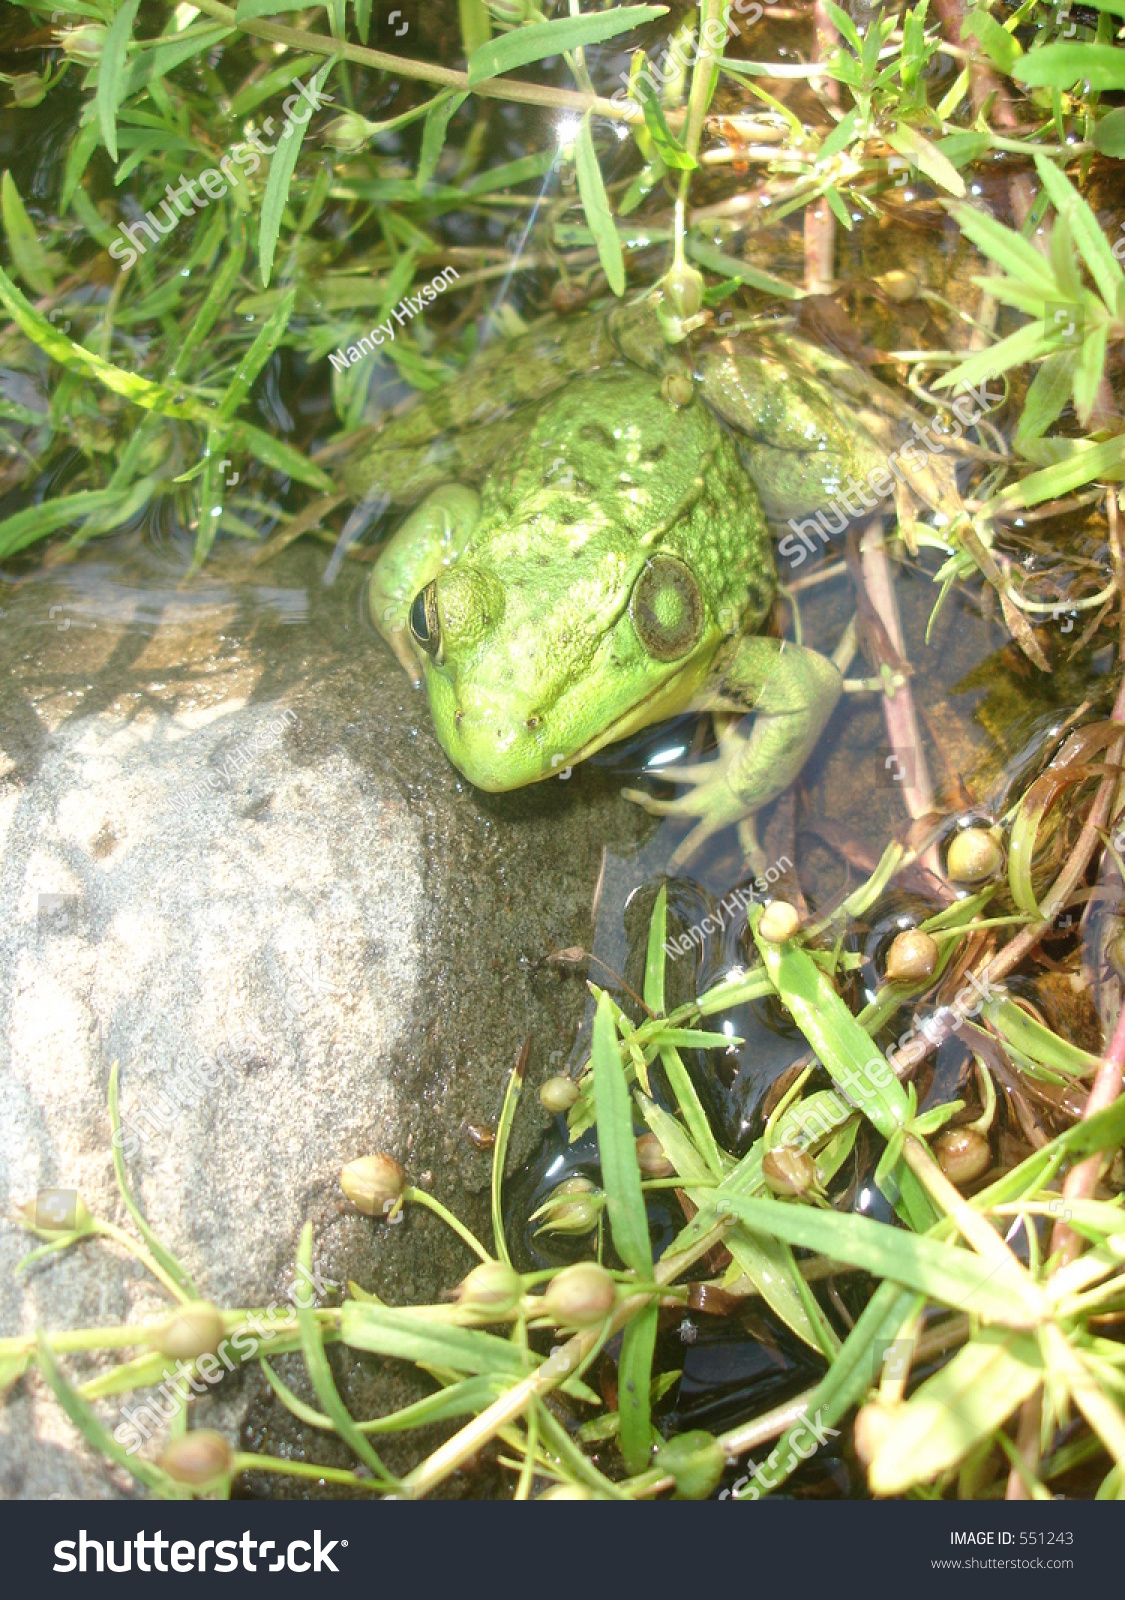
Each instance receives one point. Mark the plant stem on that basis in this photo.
(532, 94)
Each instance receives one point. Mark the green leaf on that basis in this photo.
(1109, 132)
(282, 166)
(28, 255)
(430, 1342)
(441, 110)
(926, 157)
(247, 10)
(90, 1426)
(621, 1176)
(1061, 66)
(669, 148)
(997, 43)
(654, 953)
(1091, 241)
(1008, 249)
(730, 267)
(537, 40)
(955, 1410)
(1088, 463)
(840, 137)
(320, 1375)
(158, 1251)
(634, 1378)
(595, 204)
(112, 72)
(932, 1267)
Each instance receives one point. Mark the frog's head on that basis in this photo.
(618, 549)
(526, 678)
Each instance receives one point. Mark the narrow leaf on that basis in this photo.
(112, 72)
(634, 1378)
(595, 203)
(538, 40)
(621, 1176)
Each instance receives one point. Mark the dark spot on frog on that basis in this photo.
(104, 843)
(603, 435)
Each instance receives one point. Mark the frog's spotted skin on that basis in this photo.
(616, 562)
(542, 657)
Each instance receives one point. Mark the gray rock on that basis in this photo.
(235, 861)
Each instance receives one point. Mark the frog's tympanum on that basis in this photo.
(590, 550)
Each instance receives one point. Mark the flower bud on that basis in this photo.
(84, 43)
(28, 90)
(788, 1170)
(651, 1158)
(565, 1491)
(373, 1183)
(194, 1329)
(574, 1207)
(779, 922)
(695, 1460)
(349, 132)
(493, 1289)
(974, 855)
(198, 1458)
(57, 1211)
(677, 389)
(567, 297)
(558, 1094)
(963, 1154)
(683, 290)
(913, 955)
(898, 285)
(580, 1296)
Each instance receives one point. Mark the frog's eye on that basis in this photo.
(667, 608)
(424, 624)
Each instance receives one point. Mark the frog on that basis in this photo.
(590, 551)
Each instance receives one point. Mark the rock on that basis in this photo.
(236, 861)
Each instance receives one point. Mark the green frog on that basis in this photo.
(590, 549)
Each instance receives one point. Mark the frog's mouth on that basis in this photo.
(498, 752)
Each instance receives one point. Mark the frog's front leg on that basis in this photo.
(792, 691)
(434, 534)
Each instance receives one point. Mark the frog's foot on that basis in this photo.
(793, 691)
(711, 797)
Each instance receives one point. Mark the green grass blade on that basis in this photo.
(112, 72)
(320, 1374)
(621, 1176)
(282, 166)
(654, 954)
(28, 255)
(595, 203)
(968, 1400)
(90, 1426)
(944, 1273)
(538, 40)
(634, 1378)
(158, 1251)
(500, 1152)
